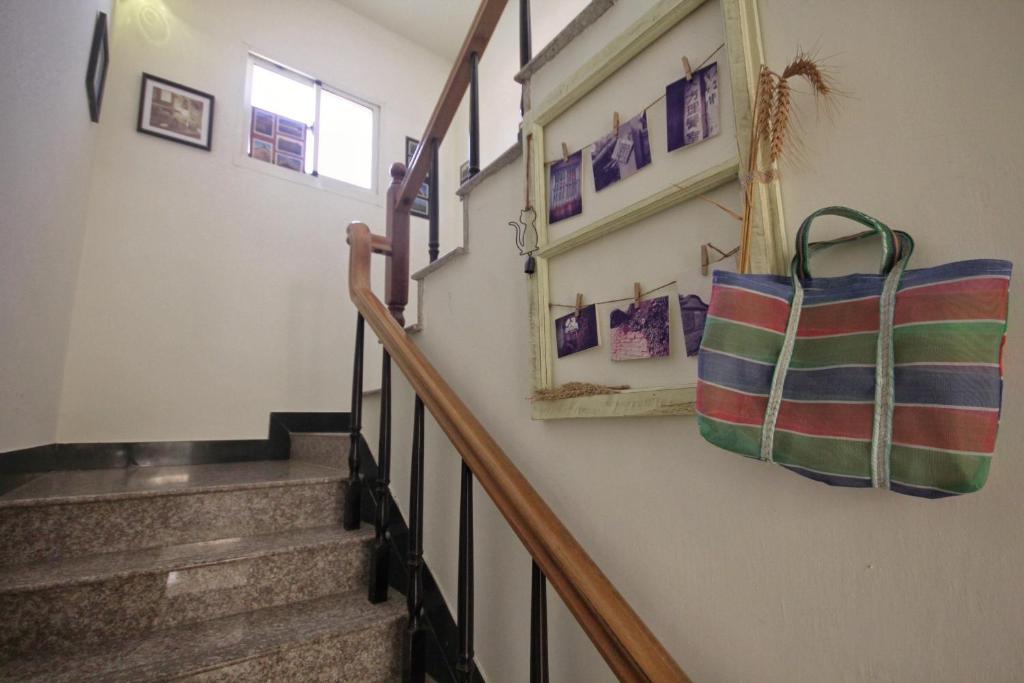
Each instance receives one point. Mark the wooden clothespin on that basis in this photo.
(615, 123)
(687, 69)
(636, 293)
(579, 304)
(565, 152)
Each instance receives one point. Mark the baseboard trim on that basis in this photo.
(95, 456)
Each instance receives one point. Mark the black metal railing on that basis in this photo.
(354, 498)
(414, 656)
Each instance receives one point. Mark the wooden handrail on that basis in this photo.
(480, 31)
(624, 641)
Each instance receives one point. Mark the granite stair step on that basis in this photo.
(337, 638)
(70, 604)
(73, 513)
(321, 448)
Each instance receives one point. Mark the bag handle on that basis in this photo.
(805, 249)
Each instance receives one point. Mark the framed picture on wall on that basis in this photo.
(96, 72)
(175, 112)
(420, 205)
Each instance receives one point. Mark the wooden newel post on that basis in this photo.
(396, 270)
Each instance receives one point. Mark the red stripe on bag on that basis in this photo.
(848, 420)
(723, 404)
(748, 307)
(839, 318)
(951, 429)
(925, 304)
(980, 284)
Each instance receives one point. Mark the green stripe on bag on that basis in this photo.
(849, 349)
(832, 456)
(741, 439)
(741, 340)
(967, 342)
(944, 470)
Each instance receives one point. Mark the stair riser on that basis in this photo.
(69, 618)
(40, 532)
(329, 450)
(369, 656)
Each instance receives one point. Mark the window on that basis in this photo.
(304, 125)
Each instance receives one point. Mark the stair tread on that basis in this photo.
(299, 435)
(212, 644)
(76, 486)
(89, 568)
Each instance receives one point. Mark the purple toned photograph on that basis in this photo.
(262, 122)
(615, 157)
(293, 129)
(641, 331)
(289, 146)
(695, 314)
(575, 333)
(692, 108)
(288, 161)
(565, 184)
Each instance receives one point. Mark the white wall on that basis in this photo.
(499, 93)
(747, 572)
(211, 291)
(44, 186)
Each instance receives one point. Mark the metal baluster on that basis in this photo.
(353, 498)
(465, 666)
(433, 239)
(415, 661)
(380, 563)
(538, 628)
(525, 39)
(525, 45)
(474, 115)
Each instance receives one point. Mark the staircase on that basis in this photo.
(237, 571)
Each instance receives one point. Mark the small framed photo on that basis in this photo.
(289, 161)
(262, 150)
(291, 128)
(262, 122)
(289, 146)
(175, 112)
(96, 72)
(420, 205)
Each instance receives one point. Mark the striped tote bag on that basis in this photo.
(890, 381)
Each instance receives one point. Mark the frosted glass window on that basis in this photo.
(346, 140)
(300, 124)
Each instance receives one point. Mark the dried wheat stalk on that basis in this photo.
(575, 389)
(771, 138)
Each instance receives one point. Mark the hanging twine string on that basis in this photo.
(616, 301)
(659, 98)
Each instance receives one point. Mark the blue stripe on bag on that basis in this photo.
(974, 387)
(735, 373)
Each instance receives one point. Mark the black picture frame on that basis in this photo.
(420, 205)
(164, 123)
(96, 71)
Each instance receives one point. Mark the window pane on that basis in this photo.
(282, 95)
(346, 140)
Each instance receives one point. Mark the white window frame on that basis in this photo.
(371, 194)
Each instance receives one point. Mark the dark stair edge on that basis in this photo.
(116, 455)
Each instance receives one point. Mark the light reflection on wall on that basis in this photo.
(151, 16)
